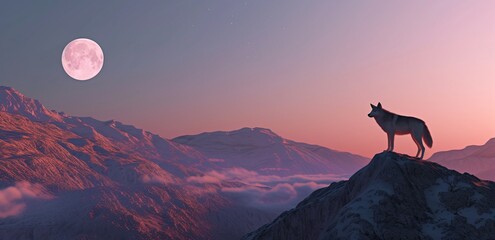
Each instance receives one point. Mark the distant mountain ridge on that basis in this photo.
(393, 197)
(477, 160)
(262, 150)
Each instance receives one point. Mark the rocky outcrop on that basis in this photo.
(393, 197)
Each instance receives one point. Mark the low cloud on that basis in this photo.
(209, 177)
(14, 199)
(252, 177)
(281, 196)
(267, 191)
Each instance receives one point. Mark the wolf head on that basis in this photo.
(375, 110)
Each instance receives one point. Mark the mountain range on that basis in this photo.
(66, 177)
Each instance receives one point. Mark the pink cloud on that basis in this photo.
(252, 177)
(280, 196)
(13, 199)
(215, 160)
(267, 191)
(209, 177)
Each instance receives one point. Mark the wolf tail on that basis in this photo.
(427, 137)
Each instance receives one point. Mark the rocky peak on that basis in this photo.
(393, 197)
(14, 102)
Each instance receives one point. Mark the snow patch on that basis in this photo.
(474, 218)
(363, 205)
(439, 213)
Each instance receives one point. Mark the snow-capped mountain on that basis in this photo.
(12, 101)
(64, 177)
(393, 197)
(85, 130)
(263, 151)
(477, 160)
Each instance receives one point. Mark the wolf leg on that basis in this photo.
(388, 143)
(422, 150)
(390, 138)
(419, 143)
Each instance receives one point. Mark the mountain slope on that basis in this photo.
(263, 151)
(393, 197)
(477, 160)
(64, 177)
(12, 101)
(104, 133)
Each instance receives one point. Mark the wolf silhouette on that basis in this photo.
(393, 124)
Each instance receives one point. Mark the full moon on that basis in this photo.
(82, 59)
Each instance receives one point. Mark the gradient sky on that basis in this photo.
(305, 69)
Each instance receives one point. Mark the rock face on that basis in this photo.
(478, 160)
(393, 197)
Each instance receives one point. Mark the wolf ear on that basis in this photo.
(372, 106)
(379, 105)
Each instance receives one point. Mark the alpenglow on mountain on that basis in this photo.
(261, 150)
(66, 177)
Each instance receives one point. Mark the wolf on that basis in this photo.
(393, 124)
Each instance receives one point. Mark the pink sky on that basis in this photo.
(435, 62)
(306, 70)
